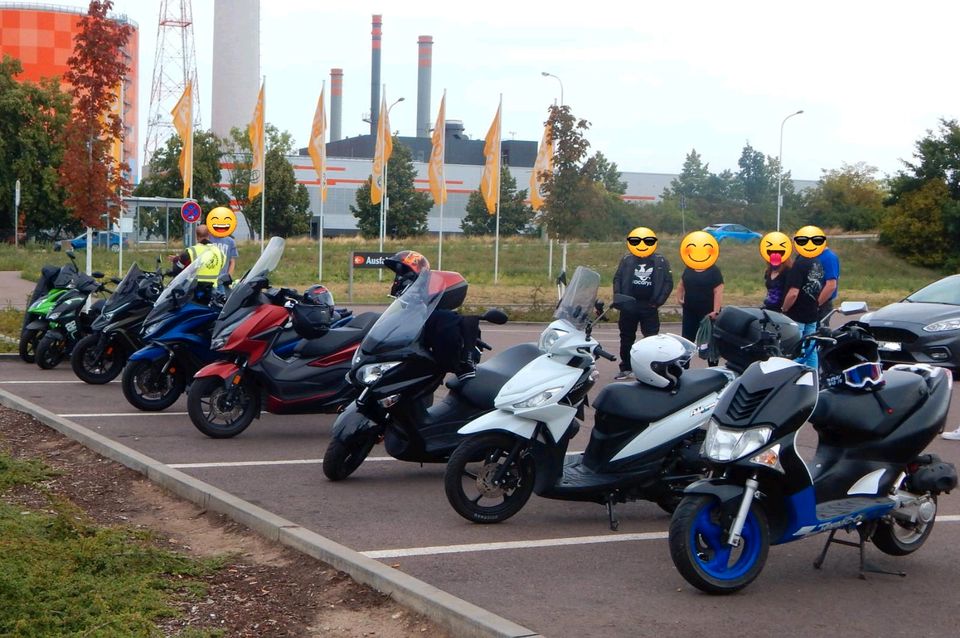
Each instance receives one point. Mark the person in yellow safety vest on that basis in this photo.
(210, 256)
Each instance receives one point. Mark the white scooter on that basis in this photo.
(645, 442)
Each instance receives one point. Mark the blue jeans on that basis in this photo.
(809, 355)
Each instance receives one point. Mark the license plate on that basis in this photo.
(889, 345)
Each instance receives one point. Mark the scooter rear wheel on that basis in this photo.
(468, 480)
(698, 547)
(147, 387)
(28, 345)
(899, 538)
(50, 352)
(212, 415)
(97, 368)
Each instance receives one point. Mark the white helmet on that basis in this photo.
(659, 360)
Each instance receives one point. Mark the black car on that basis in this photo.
(923, 328)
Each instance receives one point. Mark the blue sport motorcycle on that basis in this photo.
(869, 475)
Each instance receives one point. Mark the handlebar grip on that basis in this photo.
(600, 352)
(483, 345)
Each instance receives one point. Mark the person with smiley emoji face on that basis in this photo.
(221, 222)
(700, 293)
(804, 285)
(644, 275)
(775, 248)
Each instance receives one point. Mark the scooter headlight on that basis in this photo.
(151, 328)
(550, 337)
(537, 400)
(370, 374)
(724, 445)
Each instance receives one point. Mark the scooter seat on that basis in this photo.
(335, 340)
(364, 321)
(482, 389)
(642, 404)
(857, 415)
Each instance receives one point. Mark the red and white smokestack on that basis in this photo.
(424, 69)
(375, 73)
(336, 104)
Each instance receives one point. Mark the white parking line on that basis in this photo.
(546, 542)
(192, 466)
(46, 381)
(94, 415)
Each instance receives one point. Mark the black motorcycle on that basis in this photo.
(69, 321)
(99, 357)
(397, 375)
(869, 474)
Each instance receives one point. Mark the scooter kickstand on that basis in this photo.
(866, 532)
(817, 564)
(612, 516)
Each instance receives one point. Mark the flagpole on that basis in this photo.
(443, 179)
(263, 163)
(190, 159)
(496, 251)
(383, 174)
(323, 185)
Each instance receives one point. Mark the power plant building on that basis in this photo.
(42, 37)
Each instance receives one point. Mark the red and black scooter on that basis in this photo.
(226, 396)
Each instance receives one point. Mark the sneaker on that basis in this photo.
(467, 370)
(953, 435)
(623, 375)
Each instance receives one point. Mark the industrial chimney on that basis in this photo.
(336, 103)
(375, 74)
(236, 64)
(424, 67)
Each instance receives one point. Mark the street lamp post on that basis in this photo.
(551, 75)
(384, 200)
(780, 167)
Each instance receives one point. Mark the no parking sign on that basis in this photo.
(190, 212)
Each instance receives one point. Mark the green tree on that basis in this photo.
(936, 160)
(408, 210)
(92, 179)
(691, 183)
(606, 173)
(287, 202)
(850, 198)
(568, 192)
(164, 179)
(32, 121)
(515, 216)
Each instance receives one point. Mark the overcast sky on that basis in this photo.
(654, 79)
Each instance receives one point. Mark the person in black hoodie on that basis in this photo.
(644, 275)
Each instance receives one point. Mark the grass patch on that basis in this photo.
(868, 271)
(61, 575)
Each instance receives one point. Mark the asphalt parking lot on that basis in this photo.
(555, 567)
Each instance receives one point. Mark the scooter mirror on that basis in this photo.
(619, 300)
(96, 274)
(115, 280)
(496, 316)
(853, 307)
(71, 254)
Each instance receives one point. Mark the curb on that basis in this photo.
(457, 615)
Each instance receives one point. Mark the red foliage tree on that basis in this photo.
(91, 176)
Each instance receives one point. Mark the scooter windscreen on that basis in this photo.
(179, 292)
(245, 291)
(579, 299)
(125, 292)
(403, 321)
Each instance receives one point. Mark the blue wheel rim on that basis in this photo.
(712, 554)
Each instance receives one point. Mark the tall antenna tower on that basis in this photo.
(174, 66)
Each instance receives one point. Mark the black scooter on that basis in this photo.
(869, 474)
(397, 376)
(99, 357)
(69, 320)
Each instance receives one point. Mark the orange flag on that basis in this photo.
(490, 180)
(183, 122)
(318, 145)
(382, 153)
(438, 185)
(542, 166)
(255, 132)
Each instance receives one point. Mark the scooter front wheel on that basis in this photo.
(28, 345)
(699, 549)
(97, 366)
(482, 482)
(50, 352)
(344, 456)
(218, 413)
(147, 386)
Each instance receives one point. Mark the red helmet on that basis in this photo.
(407, 266)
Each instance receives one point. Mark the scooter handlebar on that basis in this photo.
(600, 352)
(483, 345)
